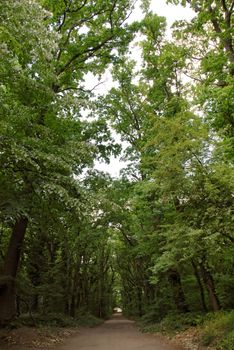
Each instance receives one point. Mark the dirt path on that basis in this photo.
(115, 334)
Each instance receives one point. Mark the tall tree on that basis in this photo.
(47, 48)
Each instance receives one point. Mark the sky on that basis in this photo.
(161, 8)
(171, 12)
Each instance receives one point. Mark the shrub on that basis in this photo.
(88, 320)
(55, 320)
(172, 322)
(219, 330)
(227, 343)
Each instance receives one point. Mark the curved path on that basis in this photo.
(115, 334)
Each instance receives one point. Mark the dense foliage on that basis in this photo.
(159, 239)
(47, 48)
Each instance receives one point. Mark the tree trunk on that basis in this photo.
(210, 286)
(139, 301)
(66, 278)
(7, 281)
(35, 303)
(201, 288)
(73, 305)
(177, 290)
(17, 305)
(149, 293)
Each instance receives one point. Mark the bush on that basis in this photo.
(207, 339)
(227, 343)
(88, 320)
(153, 328)
(182, 321)
(55, 320)
(219, 330)
(171, 323)
(151, 317)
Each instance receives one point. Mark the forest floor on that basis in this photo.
(117, 333)
(34, 338)
(189, 339)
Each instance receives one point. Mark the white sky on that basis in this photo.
(172, 14)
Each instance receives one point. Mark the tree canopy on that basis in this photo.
(159, 238)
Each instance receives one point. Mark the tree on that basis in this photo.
(211, 59)
(44, 143)
(74, 237)
(169, 147)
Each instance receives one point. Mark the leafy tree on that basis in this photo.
(160, 238)
(172, 164)
(44, 143)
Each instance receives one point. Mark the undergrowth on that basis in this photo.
(218, 331)
(172, 323)
(215, 329)
(56, 320)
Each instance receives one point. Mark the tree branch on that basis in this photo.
(193, 78)
(90, 52)
(64, 14)
(75, 26)
(135, 117)
(232, 7)
(81, 89)
(224, 5)
(227, 40)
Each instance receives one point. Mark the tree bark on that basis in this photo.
(73, 305)
(210, 286)
(7, 280)
(177, 290)
(201, 288)
(18, 305)
(139, 301)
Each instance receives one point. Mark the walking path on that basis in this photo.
(115, 334)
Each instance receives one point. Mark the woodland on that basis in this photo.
(156, 241)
